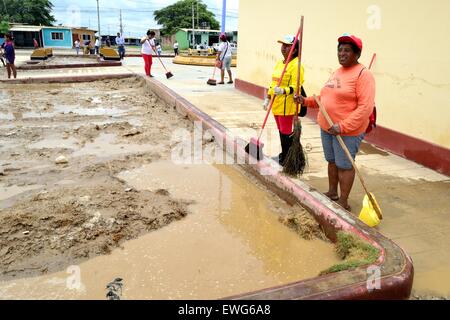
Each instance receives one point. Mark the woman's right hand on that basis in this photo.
(299, 99)
(266, 103)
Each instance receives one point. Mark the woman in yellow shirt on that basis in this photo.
(284, 107)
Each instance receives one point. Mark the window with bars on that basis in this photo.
(57, 36)
(86, 37)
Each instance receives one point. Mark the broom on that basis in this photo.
(255, 147)
(168, 73)
(295, 161)
(212, 81)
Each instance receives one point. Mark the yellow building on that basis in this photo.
(410, 39)
(83, 34)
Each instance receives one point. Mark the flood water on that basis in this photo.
(231, 242)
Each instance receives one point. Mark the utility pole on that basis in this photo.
(98, 19)
(224, 15)
(198, 25)
(121, 25)
(193, 27)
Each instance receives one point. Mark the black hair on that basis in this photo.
(151, 33)
(296, 52)
(355, 48)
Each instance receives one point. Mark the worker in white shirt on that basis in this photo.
(148, 47)
(77, 46)
(175, 48)
(97, 45)
(120, 42)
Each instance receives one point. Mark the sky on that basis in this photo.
(137, 15)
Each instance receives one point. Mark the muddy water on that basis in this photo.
(230, 243)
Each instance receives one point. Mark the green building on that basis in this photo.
(184, 37)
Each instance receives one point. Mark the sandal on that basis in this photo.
(220, 82)
(230, 82)
(347, 207)
(334, 197)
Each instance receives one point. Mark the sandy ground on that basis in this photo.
(77, 209)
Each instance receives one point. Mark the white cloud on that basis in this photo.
(137, 15)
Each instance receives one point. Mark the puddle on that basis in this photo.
(8, 145)
(6, 116)
(99, 111)
(436, 282)
(33, 115)
(230, 243)
(104, 146)
(9, 192)
(70, 143)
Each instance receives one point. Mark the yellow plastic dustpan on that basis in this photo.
(368, 215)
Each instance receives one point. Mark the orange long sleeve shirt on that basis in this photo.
(349, 98)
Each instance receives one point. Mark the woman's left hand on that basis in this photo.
(335, 130)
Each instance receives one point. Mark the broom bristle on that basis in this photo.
(295, 161)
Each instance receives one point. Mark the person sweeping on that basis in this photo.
(295, 160)
(284, 107)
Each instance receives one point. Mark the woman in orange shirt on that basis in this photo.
(348, 97)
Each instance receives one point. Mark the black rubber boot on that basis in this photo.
(286, 142)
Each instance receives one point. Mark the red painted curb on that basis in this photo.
(396, 268)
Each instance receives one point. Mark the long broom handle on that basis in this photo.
(156, 53)
(373, 59)
(300, 48)
(349, 156)
(291, 52)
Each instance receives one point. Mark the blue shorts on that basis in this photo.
(334, 152)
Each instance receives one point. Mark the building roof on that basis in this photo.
(57, 27)
(26, 28)
(84, 29)
(200, 30)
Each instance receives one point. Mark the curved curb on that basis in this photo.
(395, 267)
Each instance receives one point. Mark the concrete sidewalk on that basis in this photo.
(415, 200)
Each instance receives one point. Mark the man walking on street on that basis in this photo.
(120, 42)
(77, 46)
(175, 48)
(97, 45)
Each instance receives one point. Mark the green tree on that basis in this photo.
(36, 12)
(179, 15)
(4, 26)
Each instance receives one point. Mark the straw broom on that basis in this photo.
(295, 162)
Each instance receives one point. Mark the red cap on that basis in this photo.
(352, 39)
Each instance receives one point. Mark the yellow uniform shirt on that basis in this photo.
(284, 105)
